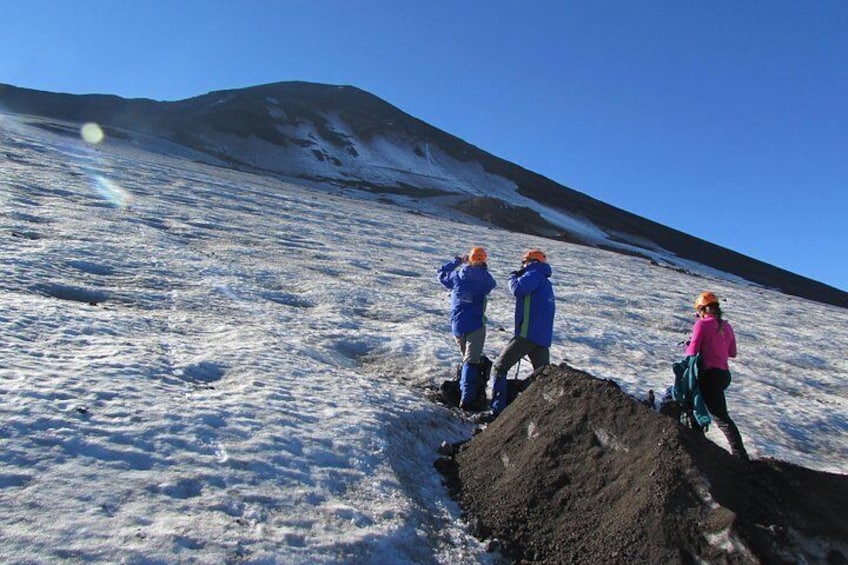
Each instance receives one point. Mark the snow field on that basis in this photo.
(209, 366)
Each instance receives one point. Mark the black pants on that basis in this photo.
(712, 383)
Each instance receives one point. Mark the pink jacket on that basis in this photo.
(714, 345)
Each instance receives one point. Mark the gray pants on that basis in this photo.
(517, 348)
(471, 345)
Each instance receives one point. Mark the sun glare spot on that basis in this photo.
(92, 133)
(112, 191)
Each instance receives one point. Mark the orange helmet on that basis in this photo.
(705, 299)
(534, 255)
(477, 255)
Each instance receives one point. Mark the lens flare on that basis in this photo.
(92, 133)
(112, 191)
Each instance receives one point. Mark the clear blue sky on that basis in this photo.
(727, 120)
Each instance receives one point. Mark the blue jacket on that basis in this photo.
(687, 390)
(469, 286)
(535, 304)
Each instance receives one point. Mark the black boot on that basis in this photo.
(734, 438)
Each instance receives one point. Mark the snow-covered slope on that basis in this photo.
(206, 366)
(340, 136)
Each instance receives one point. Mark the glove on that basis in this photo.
(518, 273)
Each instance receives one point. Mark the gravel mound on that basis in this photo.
(576, 471)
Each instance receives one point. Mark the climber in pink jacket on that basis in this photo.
(713, 338)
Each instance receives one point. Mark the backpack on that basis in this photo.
(516, 386)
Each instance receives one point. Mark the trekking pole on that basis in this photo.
(518, 367)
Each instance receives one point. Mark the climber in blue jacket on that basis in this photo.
(470, 283)
(535, 306)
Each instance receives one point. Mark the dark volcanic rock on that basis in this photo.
(576, 471)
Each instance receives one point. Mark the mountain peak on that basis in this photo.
(340, 136)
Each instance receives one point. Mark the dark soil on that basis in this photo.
(576, 471)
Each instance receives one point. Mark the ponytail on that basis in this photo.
(715, 310)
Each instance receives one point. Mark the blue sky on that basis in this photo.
(727, 120)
